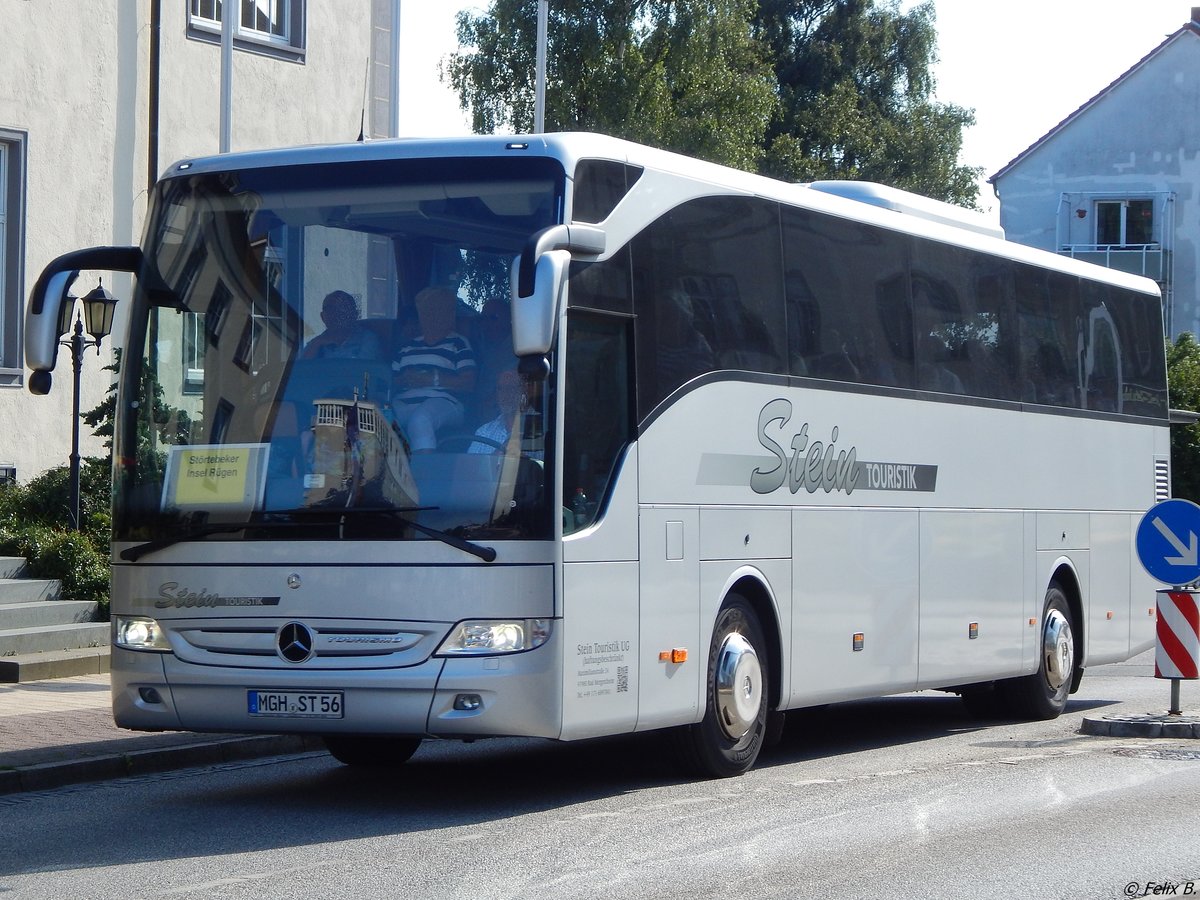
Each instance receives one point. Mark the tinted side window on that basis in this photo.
(708, 294)
(599, 186)
(966, 326)
(1099, 352)
(1048, 319)
(602, 285)
(599, 413)
(1122, 361)
(849, 313)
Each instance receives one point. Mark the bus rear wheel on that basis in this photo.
(726, 742)
(1043, 695)
(370, 750)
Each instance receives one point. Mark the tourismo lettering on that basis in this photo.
(812, 465)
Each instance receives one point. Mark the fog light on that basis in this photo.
(467, 702)
(149, 695)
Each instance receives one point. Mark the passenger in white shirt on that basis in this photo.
(510, 397)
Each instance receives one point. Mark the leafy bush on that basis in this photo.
(46, 500)
(1183, 376)
(35, 524)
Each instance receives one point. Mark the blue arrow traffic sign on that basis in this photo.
(1168, 542)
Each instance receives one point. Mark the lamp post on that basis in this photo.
(539, 78)
(98, 308)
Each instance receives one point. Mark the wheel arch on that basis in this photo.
(1067, 578)
(750, 584)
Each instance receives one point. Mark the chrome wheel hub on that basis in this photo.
(739, 686)
(1058, 648)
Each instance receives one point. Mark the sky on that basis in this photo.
(1022, 65)
(1025, 65)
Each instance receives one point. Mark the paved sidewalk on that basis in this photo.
(61, 732)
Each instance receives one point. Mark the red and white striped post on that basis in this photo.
(1177, 650)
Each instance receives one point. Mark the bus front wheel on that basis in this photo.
(370, 750)
(727, 740)
(1043, 695)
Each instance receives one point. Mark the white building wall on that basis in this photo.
(74, 79)
(60, 84)
(1139, 139)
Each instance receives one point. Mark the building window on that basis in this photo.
(194, 348)
(272, 27)
(1124, 223)
(12, 228)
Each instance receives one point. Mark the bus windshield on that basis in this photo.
(322, 351)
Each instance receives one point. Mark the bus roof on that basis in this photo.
(862, 201)
(911, 204)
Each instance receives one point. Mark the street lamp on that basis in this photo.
(98, 308)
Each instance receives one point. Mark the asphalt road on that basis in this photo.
(901, 797)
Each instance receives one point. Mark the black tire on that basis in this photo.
(1043, 695)
(369, 750)
(727, 741)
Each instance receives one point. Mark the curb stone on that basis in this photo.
(44, 776)
(1147, 726)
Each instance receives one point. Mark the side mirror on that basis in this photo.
(42, 322)
(50, 292)
(537, 280)
(535, 316)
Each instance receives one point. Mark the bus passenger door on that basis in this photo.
(669, 545)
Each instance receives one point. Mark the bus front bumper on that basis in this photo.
(512, 695)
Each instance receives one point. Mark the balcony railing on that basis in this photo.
(1149, 260)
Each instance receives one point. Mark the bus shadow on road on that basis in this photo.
(449, 784)
(842, 728)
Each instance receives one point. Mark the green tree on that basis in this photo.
(797, 89)
(687, 75)
(855, 97)
(1183, 382)
(171, 425)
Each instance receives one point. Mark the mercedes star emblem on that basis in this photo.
(294, 642)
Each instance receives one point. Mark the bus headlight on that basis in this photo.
(139, 633)
(487, 637)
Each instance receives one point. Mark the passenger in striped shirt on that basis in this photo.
(433, 372)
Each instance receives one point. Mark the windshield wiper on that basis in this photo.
(487, 554)
(133, 554)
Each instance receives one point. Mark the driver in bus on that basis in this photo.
(433, 372)
(344, 337)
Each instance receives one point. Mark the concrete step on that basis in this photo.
(46, 612)
(54, 664)
(44, 637)
(24, 590)
(12, 566)
(19, 641)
